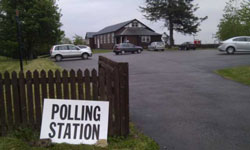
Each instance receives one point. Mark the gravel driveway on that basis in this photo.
(178, 100)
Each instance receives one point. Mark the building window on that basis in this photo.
(145, 39)
(101, 39)
(108, 41)
(95, 39)
(113, 37)
(104, 38)
(135, 24)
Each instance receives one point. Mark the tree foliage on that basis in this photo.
(66, 40)
(235, 21)
(178, 15)
(40, 26)
(78, 40)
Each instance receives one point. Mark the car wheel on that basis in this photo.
(85, 56)
(123, 52)
(139, 51)
(58, 57)
(230, 50)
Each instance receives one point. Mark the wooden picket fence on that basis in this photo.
(22, 95)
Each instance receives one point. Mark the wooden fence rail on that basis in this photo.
(22, 95)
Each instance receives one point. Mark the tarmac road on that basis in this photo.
(178, 100)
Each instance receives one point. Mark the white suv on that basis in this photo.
(69, 51)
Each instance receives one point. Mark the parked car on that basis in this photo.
(235, 44)
(155, 46)
(123, 48)
(69, 51)
(187, 46)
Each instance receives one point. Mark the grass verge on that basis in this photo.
(97, 51)
(21, 139)
(239, 74)
(8, 64)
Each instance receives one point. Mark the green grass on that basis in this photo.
(97, 51)
(239, 74)
(21, 139)
(8, 64)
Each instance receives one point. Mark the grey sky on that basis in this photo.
(81, 16)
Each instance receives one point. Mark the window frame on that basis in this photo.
(146, 39)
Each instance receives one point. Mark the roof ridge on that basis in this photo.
(120, 23)
(114, 27)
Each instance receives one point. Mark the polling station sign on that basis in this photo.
(74, 121)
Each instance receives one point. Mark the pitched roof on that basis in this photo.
(113, 27)
(138, 31)
(90, 35)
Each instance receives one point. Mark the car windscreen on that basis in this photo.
(160, 43)
(130, 45)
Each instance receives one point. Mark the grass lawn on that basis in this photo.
(8, 64)
(239, 74)
(21, 139)
(96, 51)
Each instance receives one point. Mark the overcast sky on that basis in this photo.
(81, 16)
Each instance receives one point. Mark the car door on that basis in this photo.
(151, 46)
(125, 47)
(241, 44)
(63, 50)
(74, 51)
(131, 47)
(248, 43)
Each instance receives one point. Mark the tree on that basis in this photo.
(66, 40)
(178, 15)
(40, 26)
(78, 40)
(235, 21)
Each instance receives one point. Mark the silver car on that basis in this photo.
(236, 44)
(69, 51)
(156, 46)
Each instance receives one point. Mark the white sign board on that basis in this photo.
(74, 122)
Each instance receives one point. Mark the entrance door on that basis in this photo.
(117, 40)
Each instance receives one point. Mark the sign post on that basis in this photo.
(75, 122)
(19, 40)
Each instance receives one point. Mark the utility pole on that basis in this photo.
(19, 39)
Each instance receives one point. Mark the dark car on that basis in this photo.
(123, 48)
(187, 46)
